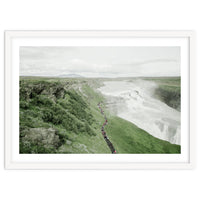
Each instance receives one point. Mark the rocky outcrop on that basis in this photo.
(54, 90)
(46, 137)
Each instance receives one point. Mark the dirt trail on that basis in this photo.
(109, 143)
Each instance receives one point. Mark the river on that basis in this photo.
(134, 101)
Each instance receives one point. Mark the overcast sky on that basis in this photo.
(100, 61)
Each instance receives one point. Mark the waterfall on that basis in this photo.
(134, 101)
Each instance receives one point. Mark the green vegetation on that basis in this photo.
(53, 106)
(128, 138)
(60, 115)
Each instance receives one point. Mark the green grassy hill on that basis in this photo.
(61, 116)
(128, 138)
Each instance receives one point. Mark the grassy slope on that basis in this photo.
(128, 138)
(125, 136)
(44, 105)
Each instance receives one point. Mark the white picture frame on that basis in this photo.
(13, 39)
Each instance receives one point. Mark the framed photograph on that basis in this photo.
(99, 99)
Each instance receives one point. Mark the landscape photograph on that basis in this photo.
(100, 100)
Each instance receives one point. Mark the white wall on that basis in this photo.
(92, 14)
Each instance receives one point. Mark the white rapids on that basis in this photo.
(134, 101)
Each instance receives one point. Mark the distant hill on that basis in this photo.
(71, 75)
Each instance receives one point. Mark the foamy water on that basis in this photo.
(134, 102)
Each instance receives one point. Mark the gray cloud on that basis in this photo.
(100, 61)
